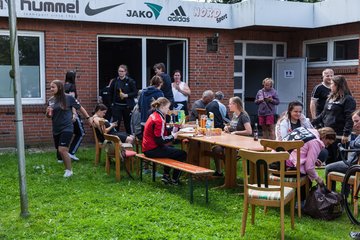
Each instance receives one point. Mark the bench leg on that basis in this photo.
(191, 189)
(141, 168)
(153, 171)
(206, 190)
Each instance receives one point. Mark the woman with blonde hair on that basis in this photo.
(239, 125)
(267, 99)
(155, 139)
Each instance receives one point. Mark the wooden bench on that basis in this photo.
(185, 167)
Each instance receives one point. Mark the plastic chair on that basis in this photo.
(261, 193)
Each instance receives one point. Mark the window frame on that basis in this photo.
(330, 51)
(42, 85)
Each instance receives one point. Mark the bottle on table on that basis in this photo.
(256, 132)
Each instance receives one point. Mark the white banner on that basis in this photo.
(164, 13)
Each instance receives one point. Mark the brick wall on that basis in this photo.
(73, 46)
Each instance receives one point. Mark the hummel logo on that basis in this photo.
(2, 3)
(179, 15)
(91, 12)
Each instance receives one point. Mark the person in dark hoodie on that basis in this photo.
(148, 95)
(160, 70)
(337, 114)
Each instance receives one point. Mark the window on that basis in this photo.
(339, 51)
(31, 58)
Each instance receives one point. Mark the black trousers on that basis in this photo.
(120, 113)
(168, 152)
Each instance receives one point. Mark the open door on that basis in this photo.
(176, 58)
(290, 81)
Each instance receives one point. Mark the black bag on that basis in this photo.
(323, 204)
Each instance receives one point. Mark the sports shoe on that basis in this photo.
(166, 179)
(68, 173)
(355, 235)
(216, 174)
(60, 161)
(73, 157)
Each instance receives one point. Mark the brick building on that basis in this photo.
(220, 47)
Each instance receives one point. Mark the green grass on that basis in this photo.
(92, 205)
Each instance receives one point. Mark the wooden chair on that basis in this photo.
(200, 111)
(115, 153)
(261, 193)
(353, 180)
(293, 177)
(98, 145)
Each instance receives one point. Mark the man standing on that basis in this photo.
(320, 93)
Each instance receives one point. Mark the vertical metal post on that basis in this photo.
(15, 75)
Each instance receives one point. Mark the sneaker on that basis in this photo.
(355, 235)
(73, 157)
(216, 174)
(166, 179)
(68, 173)
(60, 161)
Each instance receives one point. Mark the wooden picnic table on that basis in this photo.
(199, 147)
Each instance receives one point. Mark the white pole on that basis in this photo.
(15, 75)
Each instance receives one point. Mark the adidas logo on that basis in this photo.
(178, 15)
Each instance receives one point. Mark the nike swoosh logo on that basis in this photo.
(91, 12)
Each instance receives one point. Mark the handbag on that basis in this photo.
(323, 204)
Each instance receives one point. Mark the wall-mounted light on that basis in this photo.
(213, 43)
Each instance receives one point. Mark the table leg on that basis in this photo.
(230, 168)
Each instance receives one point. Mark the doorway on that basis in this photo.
(139, 54)
(255, 72)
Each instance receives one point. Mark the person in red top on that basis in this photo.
(155, 139)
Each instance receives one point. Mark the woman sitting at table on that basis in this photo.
(100, 111)
(239, 125)
(292, 119)
(155, 139)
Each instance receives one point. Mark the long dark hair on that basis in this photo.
(70, 77)
(291, 106)
(342, 88)
(60, 94)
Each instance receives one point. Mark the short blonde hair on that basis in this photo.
(268, 80)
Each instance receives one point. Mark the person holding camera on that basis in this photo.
(267, 99)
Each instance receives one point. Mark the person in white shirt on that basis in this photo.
(181, 92)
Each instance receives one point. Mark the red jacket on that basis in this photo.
(155, 133)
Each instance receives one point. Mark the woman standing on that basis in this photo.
(337, 114)
(160, 70)
(79, 131)
(239, 125)
(155, 139)
(60, 111)
(267, 98)
(122, 93)
(181, 92)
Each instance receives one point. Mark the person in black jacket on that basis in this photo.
(337, 114)
(160, 69)
(123, 92)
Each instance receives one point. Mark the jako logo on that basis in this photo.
(178, 15)
(2, 4)
(156, 9)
